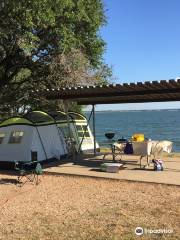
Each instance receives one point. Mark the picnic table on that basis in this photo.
(144, 149)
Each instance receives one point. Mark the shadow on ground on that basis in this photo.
(7, 181)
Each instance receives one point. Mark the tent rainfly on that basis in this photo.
(25, 139)
(79, 129)
(42, 136)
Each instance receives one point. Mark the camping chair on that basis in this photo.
(29, 170)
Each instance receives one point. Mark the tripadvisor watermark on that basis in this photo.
(140, 231)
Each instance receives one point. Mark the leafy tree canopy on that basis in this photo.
(38, 36)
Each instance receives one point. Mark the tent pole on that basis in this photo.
(72, 149)
(39, 135)
(67, 115)
(94, 129)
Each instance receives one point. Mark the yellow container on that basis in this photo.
(138, 137)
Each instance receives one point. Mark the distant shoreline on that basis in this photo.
(138, 110)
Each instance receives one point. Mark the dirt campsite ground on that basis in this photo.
(71, 207)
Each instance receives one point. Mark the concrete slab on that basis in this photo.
(89, 167)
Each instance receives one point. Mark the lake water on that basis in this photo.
(156, 125)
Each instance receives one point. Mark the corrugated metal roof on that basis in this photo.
(155, 91)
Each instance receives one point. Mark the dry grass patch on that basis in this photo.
(86, 208)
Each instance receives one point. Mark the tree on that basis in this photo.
(36, 34)
(71, 69)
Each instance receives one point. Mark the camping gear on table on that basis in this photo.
(138, 137)
(110, 167)
(122, 140)
(120, 145)
(144, 149)
(158, 164)
(128, 148)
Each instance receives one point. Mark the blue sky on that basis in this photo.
(143, 43)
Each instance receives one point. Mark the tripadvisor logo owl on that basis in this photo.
(139, 231)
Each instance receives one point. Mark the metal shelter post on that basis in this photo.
(94, 128)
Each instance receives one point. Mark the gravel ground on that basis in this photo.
(67, 207)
